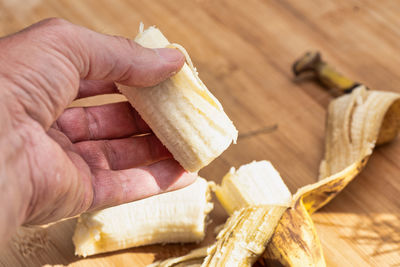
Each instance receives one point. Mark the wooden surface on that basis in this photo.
(243, 51)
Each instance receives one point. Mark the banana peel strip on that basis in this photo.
(240, 243)
(295, 241)
(193, 258)
(244, 236)
(356, 123)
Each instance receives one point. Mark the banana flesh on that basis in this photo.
(181, 111)
(177, 216)
(256, 183)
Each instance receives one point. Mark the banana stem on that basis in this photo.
(312, 62)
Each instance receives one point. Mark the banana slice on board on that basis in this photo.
(173, 217)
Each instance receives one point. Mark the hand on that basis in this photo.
(57, 163)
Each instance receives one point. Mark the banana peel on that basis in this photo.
(244, 236)
(328, 76)
(192, 259)
(295, 241)
(356, 123)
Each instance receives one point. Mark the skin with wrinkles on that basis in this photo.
(57, 162)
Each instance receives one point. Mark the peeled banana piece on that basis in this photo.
(172, 217)
(256, 183)
(181, 111)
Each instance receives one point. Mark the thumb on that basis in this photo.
(103, 57)
(46, 61)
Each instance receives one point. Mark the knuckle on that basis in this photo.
(54, 22)
(54, 29)
(110, 154)
(93, 124)
(126, 43)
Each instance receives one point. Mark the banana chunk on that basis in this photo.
(182, 113)
(173, 217)
(256, 183)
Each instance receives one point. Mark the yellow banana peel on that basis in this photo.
(356, 123)
(312, 62)
(295, 241)
(193, 259)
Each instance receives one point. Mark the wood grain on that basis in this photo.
(243, 51)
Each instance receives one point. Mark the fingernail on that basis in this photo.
(170, 54)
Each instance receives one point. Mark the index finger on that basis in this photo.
(109, 121)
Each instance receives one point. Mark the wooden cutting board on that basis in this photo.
(243, 51)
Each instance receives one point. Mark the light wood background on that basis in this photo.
(243, 51)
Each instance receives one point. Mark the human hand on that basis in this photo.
(57, 163)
